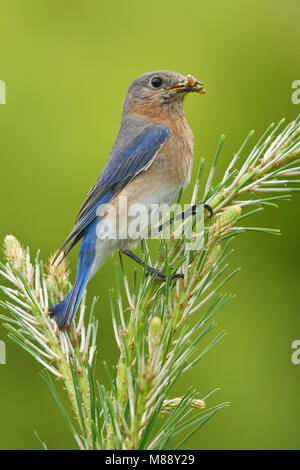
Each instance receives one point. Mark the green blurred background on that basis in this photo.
(67, 66)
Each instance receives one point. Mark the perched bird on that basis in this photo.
(150, 162)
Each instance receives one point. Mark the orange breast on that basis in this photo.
(174, 162)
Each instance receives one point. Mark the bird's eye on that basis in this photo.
(156, 82)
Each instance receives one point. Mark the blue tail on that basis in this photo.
(64, 312)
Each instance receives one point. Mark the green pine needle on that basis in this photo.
(159, 327)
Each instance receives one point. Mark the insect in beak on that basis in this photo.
(190, 85)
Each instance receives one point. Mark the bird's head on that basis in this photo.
(160, 90)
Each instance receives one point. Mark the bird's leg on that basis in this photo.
(183, 215)
(150, 270)
(187, 213)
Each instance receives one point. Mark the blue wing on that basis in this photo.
(135, 148)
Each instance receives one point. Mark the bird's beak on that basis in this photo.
(189, 85)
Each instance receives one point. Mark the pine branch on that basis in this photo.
(151, 319)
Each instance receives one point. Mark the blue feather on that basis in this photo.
(137, 143)
(64, 312)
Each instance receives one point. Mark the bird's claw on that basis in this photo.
(209, 209)
(177, 276)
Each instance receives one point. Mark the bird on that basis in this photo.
(150, 163)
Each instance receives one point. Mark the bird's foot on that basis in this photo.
(209, 209)
(187, 213)
(150, 270)
(160, 275)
